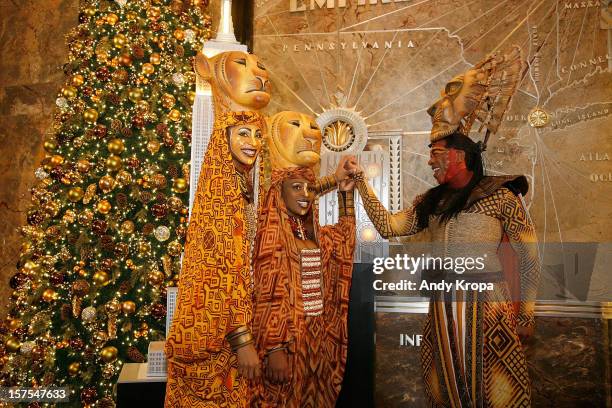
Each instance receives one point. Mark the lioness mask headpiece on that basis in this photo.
(238, 80)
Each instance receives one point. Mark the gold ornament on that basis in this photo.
(49, 295)
(90, 115)
(125, 59)
(100, 278)
(144, 247)
(191, 96)
(119, 41)
(148, 68)
(56, 160)
(12, 344)
(153, 146)
(78, 80)
(109, 354)
(131, 15)
(179, 34)
(51, 208)
(156, 278)
(154, 13)
(106, 183)
(175, 203)
(124, 178)
(135, 94)
(180, 185)
(50, 145)
(127, 227)
(175, 115)
(103, 207)
(14, 324)
(74, 368)
(114, 163)
(112, 19)
(143, 105)
(128, 307)
(174, 248)
(31, 267)
(69, 92)
(75, 194)
(115, 146)
(86, 217)
(155, 59)
(168, 100)
(83, 166)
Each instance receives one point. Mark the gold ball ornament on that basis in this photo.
(90, 115)
(175, 203)
(153, 146)
(148, 68)
(75, 194)
(114, 162)
(74, 368)
(125, 59)
(154, 12)
(131, 15)
(50, 145)
(69, 92)
(120, 41)
(31, 267)
(14, 324)
(180, 185)
(127, 227)
(155, 59)
(56, 160)
(144, 247)
(115, 146)
(175, 115)
(191, 96)
(106, 183)
(49, 295)
(128, 307)
(112, 19)
(135, 94)
(83, 166)
(168, 101)
(104, 207)
(12, 344)
(100, 278)
(109, 354)
(156, 278)
(78, 80)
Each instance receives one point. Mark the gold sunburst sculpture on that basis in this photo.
(338, 136)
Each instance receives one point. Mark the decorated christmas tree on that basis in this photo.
(105, 230)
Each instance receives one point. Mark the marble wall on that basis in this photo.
(32, 51)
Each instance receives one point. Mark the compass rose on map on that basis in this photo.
(538, 117)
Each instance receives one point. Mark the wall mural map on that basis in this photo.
(389, 60)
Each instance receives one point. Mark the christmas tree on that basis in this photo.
(105, 230)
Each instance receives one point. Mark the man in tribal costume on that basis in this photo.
(302, 283)
(471, 350)
(210, 346)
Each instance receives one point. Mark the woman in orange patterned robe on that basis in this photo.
(302, 282)
(214, 304)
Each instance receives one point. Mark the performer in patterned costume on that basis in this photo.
(302, 282)
(471, 350)
(210, 347)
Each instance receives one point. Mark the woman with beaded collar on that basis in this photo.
(302, 277)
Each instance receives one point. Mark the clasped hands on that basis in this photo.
(345, 172)
(277, 368)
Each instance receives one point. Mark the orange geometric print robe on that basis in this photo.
(214, 295)
(317, 344)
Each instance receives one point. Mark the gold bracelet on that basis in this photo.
(240, 330)
(241, 341)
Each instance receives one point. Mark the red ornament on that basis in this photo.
(158, 311)
(99, 227)
(89, 395)
(56, 278)
(159, 210)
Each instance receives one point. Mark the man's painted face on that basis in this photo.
(298, 195)
(446, 163)
(245, 143)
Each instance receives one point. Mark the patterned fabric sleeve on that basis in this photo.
(521, 232)
(326, 184)
(388, 225)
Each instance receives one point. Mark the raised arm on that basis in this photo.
(388, 225)
(522, 236)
